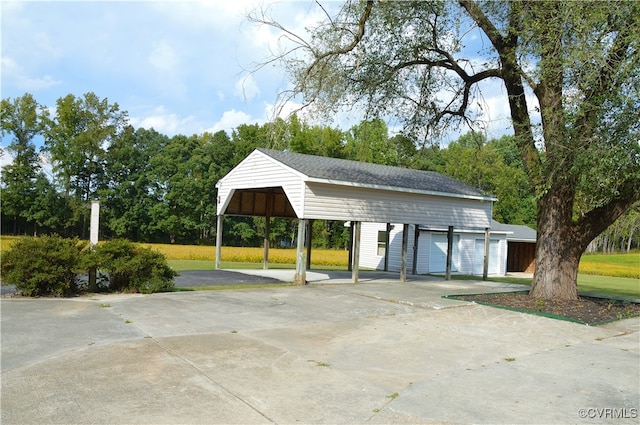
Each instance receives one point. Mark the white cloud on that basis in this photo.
(6, 157)
(164, 57)
(246, 88)
(230, 120)
(13, 72)
(163, 121)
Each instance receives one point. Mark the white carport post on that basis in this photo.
(218, 240)
(300, 277)
(355, 269)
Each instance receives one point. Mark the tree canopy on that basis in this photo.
(570, 74)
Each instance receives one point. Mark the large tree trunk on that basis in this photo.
(558, 249)
(562, 239)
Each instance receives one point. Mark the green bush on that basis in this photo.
(46, 265)
(132, 268)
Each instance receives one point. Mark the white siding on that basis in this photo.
(369, 258)
(395, 248)
(260, 171)
(464, 251)
(324, 201)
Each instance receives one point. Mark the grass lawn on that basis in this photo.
(606, 285)
(618, 286)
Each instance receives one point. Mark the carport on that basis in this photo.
(270, 183)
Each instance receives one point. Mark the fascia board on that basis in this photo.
(400, 189)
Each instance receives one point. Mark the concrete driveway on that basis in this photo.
(377, 352)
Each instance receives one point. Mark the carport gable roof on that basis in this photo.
(362, 174)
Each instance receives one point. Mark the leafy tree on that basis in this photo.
(473, 160)
(127, 196)
(580, 61)
(184, 187)
(247, 137)
(47, 212)
(20, 118)
(369, 142)
(218, 157)
(76, 138)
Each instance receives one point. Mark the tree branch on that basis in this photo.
(356, 39)
(598, 219)
(502, 44)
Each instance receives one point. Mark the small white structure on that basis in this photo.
(382, 245)
(272, 183)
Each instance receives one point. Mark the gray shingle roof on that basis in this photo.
(363, 173)
(518, 232)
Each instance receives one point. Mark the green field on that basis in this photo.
(618, 265)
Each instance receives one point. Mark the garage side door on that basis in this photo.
(478, 258)
(438, 253)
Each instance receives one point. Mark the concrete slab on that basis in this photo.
(377, 352)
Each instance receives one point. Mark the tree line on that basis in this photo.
(155, 188)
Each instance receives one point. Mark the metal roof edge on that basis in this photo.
(400, 189)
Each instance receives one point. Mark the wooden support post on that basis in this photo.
(449, 252)
(416, 235)
(218, 240)
(265, 253)
(356, 251)
(386, 248)
(403, 255)
(350, 260)
(309, 241)
(300, 277)
(487, 244)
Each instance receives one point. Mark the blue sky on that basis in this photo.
(181, 67)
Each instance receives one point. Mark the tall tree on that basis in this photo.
(127, 193)
(369, 142)
(77, 138)
(20, 119)
(580, 61)
(483, 164)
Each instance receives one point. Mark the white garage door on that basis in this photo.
(438, 254)
(478, 258)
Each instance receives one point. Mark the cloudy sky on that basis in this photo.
(181, 67)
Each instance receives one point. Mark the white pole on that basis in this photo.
(94, 227)
(95, 223)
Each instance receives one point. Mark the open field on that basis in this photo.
(619, 265)
(230, 254)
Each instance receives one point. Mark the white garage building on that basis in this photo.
(382, 245)
(272, 183)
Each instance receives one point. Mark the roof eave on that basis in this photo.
(400, 189)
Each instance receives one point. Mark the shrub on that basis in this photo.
(133, 268)
(46, 265)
